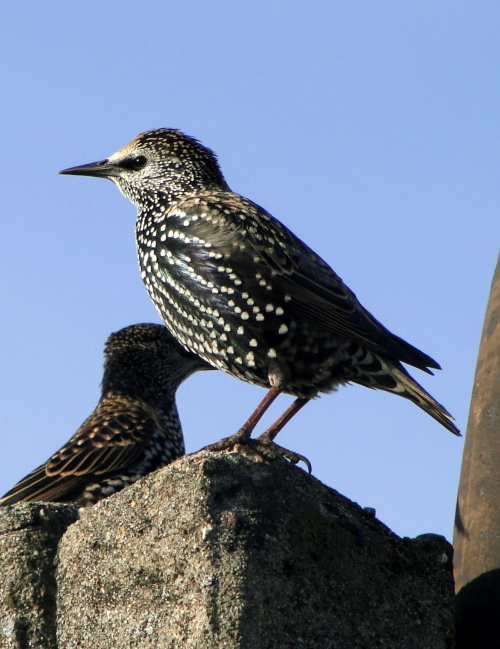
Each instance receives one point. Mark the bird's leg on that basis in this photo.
(267, 438)
(265, 444)
(243, 435)
(280, 423)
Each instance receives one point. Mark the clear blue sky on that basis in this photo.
(370, 129)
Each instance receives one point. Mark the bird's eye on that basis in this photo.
(134, 164)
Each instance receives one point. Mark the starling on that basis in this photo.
(239, 289)
(134, 430)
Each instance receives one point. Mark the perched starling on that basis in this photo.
(236, 287)
(134, 430)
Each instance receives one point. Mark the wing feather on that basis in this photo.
(111, 439)
(317, 293)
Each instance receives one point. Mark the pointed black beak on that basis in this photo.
(102, 169)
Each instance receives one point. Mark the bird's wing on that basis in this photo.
(111, 439)
(250, 237)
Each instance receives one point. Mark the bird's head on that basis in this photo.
(160, 162)
(146, 361)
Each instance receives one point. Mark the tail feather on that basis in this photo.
(408, 388)
(39, 486)
(379, 373)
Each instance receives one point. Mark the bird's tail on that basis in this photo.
(41, 486)
(408, 388)
(394, 378)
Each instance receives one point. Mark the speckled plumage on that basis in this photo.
(135, 428)
(236, 287)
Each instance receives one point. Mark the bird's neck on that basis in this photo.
(165, 198)
(161, 399)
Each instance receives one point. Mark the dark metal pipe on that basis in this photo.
(477, 525)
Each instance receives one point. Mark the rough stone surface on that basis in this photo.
(29, 536)
(220, 551)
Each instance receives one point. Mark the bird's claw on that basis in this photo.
(271, 450)
(262, 445)
(227, 442)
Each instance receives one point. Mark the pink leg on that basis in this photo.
(280, 423)
(266, 439)
(243, 435)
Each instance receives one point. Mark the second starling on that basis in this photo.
(134, 430)
(239, 289)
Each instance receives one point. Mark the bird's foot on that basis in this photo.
(262, 446)
(269, 449)
(241, 437)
